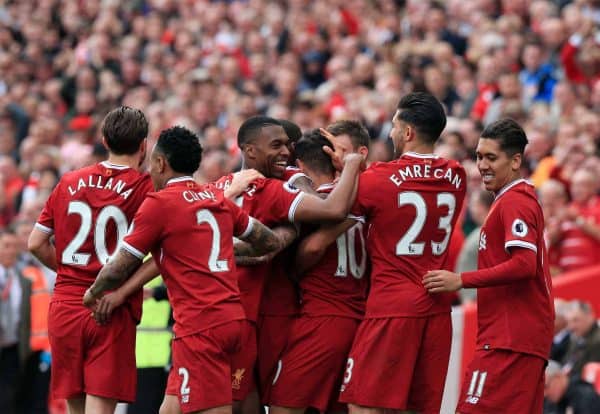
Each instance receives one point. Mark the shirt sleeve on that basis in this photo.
(285, 201)
(242, 222)
(521, 225)
(45, 222)
(520, 266)
(146, 228)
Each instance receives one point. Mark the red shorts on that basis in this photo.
(273, 333)
(311, 369)
(399, 363)
(503, 381)
(243, 364)
(88, 358)
(201, 371)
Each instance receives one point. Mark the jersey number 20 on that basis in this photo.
(71, 255)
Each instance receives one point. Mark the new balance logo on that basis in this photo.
(476, 387)
(482, 241)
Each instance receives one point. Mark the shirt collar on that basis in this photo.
(179, 179)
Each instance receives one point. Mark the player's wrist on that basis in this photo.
(460, 281)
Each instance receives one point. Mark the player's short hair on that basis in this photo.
(292, 130)
(425, 113)
(182, 149)
(251, 128)
(354, 129)
(309, 150)
(509, 134)
(124, 129)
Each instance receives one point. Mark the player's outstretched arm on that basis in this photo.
(312, 248)
(245, 253)
(336, 206)
(521, 265)
(119, 268)
(40, 246)
(261, 241)
(109, 302)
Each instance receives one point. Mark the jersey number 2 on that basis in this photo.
(407, 246)
(214, 264)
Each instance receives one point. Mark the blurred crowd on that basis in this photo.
(209, 65)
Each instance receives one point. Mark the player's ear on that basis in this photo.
(409, 133)
(161, 163)
(143, 147)
(364, 151)
(515, 161)
(249, 151)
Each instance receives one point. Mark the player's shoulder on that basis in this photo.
(520, 191)
(267, 185)
(223, 183)
(519, 198)
(290, 171)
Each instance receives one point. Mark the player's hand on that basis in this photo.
(336, 157)
(241, 181)
(89, 300)
(327, 135)
(106, 305)
(358, 158)
(438, 281)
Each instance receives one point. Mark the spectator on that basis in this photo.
(562, 335)
(568, 396)
(584, 345)
(537, 76)
(580, 224)
(508, 100)
(15, 291)
(554, 199)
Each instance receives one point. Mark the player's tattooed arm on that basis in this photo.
(112, 275)
(259, 241)
(246, 255)
(105, 305)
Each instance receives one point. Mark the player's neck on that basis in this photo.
(511, 180)
(418, 147)
(247, 166)
(132, 161)
(320, 179)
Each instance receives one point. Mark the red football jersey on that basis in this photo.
(337, 285)
(291, 173)
(272, 202)
(517, 316)
(89, 212)
(189, 229)
(411, 206)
